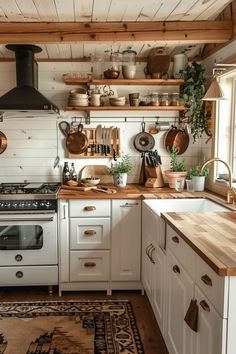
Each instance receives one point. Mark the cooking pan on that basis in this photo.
(3, 142)
(64, 128)
(144, 141)
(76, 141)
(178, 138)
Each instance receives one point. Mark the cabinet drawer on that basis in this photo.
(89, 265)
(214, 287)
(89, 233)
(181, 250)
(89, 208)
(30, 275)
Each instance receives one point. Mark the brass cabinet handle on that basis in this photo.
(206, 279)
(89, 232)
(176, 269)
(175, 239)
(126, 205)
(151, 252)
(90, 264)
(148, 249)
(205, 306)
(89, 208)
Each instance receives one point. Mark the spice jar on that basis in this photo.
(175, 101)
(129, 63)
(155, 99)
(165, 99)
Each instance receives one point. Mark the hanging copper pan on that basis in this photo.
(178, 138)
(77, 142)
(3, 142)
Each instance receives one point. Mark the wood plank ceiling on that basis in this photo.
(106, 11)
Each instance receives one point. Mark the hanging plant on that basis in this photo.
(192, 92)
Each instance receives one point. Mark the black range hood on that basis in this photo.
(25, 95)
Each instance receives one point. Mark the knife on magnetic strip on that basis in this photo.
(114, 143)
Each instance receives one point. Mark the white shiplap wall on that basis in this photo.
(34, 142)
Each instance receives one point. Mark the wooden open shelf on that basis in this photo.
(123, 82)
(124, 108)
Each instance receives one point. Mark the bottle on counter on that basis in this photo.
(73, 174)
(65, 173)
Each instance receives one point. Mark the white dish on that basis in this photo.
(93, 181)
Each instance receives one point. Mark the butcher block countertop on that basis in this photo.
(211, 235)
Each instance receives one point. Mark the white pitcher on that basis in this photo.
(180, 63)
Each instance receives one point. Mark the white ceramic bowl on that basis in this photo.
(92, 180)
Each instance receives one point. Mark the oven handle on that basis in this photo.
(25, 219)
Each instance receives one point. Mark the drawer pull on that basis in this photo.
(205, 306)
(90, 264)
(126, 205)
(175, 239)
(207, 280)
(150, 256)
(89, 208)
(18, 257)
(148, 248)
(19, 275)
(176, 269)
(89, 232)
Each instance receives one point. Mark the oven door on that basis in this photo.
(28, 238)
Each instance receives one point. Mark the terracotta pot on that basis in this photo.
(173, 176)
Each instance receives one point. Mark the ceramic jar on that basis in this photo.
(129, 64)
(120, 179)
(180, 63)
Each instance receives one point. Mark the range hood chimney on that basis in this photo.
(25, 95)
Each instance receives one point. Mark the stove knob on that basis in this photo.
(35, 205)
(15, 205)
(21, 204)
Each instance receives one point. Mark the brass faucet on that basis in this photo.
(231, 193)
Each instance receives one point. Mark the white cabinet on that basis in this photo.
(211, 335)
(126, 244)
(180, 292)
(153, 264)
(85, 227)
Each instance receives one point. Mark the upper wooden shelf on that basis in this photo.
(124, 108)
(124, 82)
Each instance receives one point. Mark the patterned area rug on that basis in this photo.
(69, 327)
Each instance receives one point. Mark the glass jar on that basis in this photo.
(155, 99)
(175, 100)
(165, 99)
(129, 63)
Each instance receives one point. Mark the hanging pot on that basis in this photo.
(144, 141)
(3, 142)
(64, 128)
(77, 142)
(178, 138)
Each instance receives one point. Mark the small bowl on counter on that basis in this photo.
(91, 180)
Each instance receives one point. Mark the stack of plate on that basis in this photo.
(117, 101)
(78, 97)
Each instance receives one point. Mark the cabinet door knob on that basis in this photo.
(89, 232)
(176, 269)
(90, 208)
(19, 275)
(148, 249)
(151, 252)
(90, 264)
(205, 306)
(175, 239)
(206, 279)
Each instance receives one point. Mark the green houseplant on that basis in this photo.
(120, 171)
(177, 170)
(198, 177)
(192, 92)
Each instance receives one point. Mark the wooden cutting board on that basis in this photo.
(66, 189)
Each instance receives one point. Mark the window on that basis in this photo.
(225, 132)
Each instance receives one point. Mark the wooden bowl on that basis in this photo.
(111, 74)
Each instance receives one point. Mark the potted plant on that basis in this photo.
(177, 170)
(192, 92)
(120, 171)
(198, 177)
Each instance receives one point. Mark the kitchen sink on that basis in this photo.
(184, 205)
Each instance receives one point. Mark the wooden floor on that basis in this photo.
(151, 337)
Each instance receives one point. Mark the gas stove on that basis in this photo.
(28, 196)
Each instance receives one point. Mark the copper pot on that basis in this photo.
(3, 142)
(178, 138)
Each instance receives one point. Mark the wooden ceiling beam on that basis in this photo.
(67, 32)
